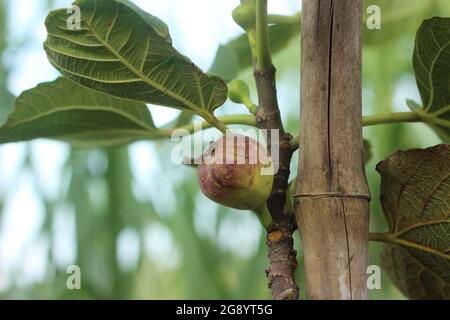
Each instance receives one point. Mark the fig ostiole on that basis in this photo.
(237, 172)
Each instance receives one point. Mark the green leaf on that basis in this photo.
(399, 19)
(431, 62)
(236, 55)
(66, 111)
(415, 196)
(124, 51)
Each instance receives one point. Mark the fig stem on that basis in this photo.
(252, 108)
(264, 217)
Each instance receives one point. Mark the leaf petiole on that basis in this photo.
(397, 117)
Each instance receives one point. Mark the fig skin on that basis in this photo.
(232, 176)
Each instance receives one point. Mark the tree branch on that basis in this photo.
(281, 254)
(263, 58)
(396, 117)
(332, 195)
(235, 119)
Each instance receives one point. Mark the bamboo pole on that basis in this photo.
(332, 193)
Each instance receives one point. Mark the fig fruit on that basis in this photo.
(236, 172)
(245, 15)
(239, 92)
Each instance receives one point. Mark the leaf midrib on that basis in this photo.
(424, 266)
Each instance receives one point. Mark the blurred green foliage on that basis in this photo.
(106, 204)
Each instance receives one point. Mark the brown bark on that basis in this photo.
(282, 255)
(332, 193)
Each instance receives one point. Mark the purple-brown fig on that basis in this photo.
(236, 171)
